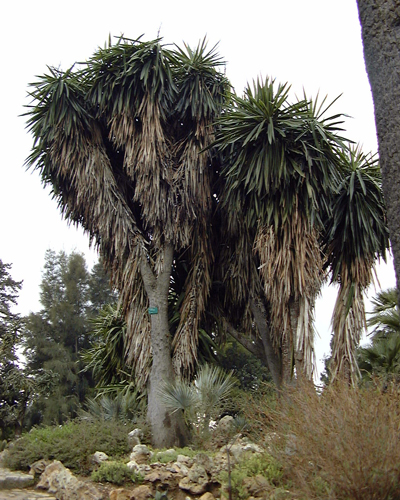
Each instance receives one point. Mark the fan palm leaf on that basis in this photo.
(384, 315)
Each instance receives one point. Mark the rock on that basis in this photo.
(240, 447)
(226, 424)
(142, 492)
(120, 494)
(179, 468)
(207, 496)
(183, 459)
(161, 475)
(270, 439)
(38, 467)
(98, 457)
(65, 486)
(140, 454)
(14, 479)
(134, 437)
(205, 461)
(196, 481)
(256, 486)
(138, 468)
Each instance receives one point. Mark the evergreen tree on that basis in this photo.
(56, 335)
(15, 387)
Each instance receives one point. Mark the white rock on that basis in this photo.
(99, 457)
(140, 454)
(134, 437)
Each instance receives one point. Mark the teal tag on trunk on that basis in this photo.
(153, 310)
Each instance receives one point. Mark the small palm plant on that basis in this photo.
(201, 400)
(382, 357)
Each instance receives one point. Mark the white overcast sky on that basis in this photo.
(312, 44)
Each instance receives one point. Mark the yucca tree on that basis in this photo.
(279, 165)
(118, 139)
(357, 236)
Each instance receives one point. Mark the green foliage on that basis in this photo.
(17, 389)
(116, 473)
(161, 495)
(276, 150)
(248, 370)
(382, 356)
(72, 444)
(105, 359)
(171, 455)
(384, 315)
(55, 336)
(123, 407)
(357, 229)
(201, 400)
(256, 465)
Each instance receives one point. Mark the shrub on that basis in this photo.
(171, 455)
(257, 465)
(116, 473)
(72, 444)
(342, 443)
(201, 401)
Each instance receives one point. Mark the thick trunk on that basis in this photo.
(380, 23)
(167, 429)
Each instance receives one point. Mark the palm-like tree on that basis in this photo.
(357, 235)
(119, 141)
(382, 357)
(280, 163)
(384, 316)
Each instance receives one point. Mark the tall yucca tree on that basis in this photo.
(357, 236)
(280, 165)
(119, 141)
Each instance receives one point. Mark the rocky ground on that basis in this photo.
(180, 478)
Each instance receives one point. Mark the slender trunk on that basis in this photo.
(272, 355)
(380, 23)
(168, 429)
(287, 359)
(294, 312)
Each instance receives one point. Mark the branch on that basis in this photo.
(255, 348)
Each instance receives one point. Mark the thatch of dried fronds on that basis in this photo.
(291, 267)
(349, 321)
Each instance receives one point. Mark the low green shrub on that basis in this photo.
(116, 473)
(171, 455)
(72, 444)
(256, 465)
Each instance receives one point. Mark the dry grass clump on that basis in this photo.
(342, 444)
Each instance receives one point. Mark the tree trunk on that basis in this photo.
(167, 429)
(380, 23)
(274, 360)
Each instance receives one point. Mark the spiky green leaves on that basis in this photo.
(357, 229)
(277, 153)
(202, 399)
(201, 87)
